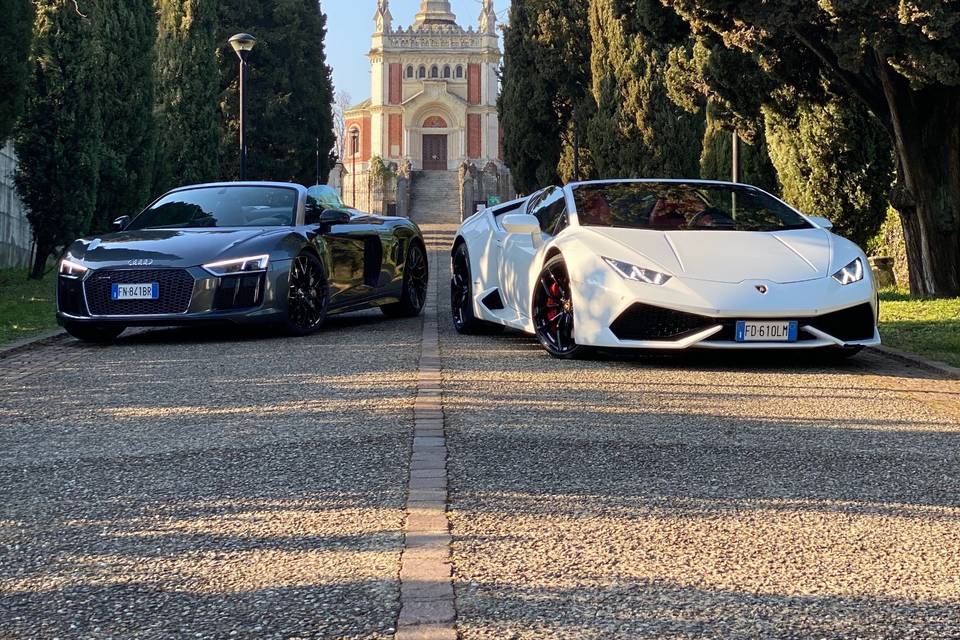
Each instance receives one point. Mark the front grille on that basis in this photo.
(855, 323)
(645, 322)
(70, 296)
(176, 290)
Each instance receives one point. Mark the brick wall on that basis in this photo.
(395, 126)
(396, 79)
(474, 132)
(473, 83)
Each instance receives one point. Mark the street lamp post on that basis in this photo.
(243, 44)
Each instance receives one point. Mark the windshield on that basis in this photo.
(668, 206)
(228, 206)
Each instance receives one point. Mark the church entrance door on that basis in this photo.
(434, 153)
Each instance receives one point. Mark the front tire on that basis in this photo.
(307, 296)
(95, 333)
(416, 277)
(553, 312)
(461, 298)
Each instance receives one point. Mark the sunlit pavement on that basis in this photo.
(216, 484)
(204, 483)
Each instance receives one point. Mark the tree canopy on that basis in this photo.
(14, 52)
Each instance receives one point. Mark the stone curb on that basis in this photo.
(427, 606)
(48, 337)
(918, 361)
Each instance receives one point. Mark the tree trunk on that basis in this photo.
(926, 126)
(40, 262)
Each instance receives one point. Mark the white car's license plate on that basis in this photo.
(147, 291)
(778, 331)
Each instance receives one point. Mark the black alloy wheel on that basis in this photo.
(553, 311)
(307, 296)
(461, 297)
(416, 277)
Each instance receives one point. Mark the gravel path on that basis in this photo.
(194, 484)
(701, 497)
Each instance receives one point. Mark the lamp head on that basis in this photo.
(243, 44)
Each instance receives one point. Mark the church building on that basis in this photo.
(433, 95)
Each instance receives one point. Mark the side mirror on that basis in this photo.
(820, 221)
(331, 217)
(121, 223)
(521, 223)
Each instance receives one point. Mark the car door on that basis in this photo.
(520, 251)
(357, 257)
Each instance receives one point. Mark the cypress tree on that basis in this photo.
(289, 91)
(127, 31)
(186, 77)
(532, 133)
(638, 130)
(14, 52)
(58, 136)
(716, 163)
(834, 160)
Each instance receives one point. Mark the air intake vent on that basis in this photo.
(493, 301)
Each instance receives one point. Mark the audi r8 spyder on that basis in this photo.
(244, 253)
(662, 264)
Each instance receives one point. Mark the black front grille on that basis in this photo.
(645, 322)
(70, 296)
(176, 290)
(855, 323)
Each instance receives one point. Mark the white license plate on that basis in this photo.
(147, 291)
(779, 331)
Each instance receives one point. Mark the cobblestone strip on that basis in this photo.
(426, 587)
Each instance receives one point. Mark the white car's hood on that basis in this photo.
(730, 256)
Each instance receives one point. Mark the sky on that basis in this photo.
(350, 25)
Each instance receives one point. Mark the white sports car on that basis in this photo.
(662, 264)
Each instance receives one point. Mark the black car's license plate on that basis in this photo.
(143, 291)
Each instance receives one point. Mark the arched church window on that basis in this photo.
(459, 70)
(410, 71)
(446, 71)
(354, 141)
(422, 73)
(434, 72)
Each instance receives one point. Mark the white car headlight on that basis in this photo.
(633, 272)
(851, 273)
(238, 265)
(71, 269)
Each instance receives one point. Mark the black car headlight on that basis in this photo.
(236, 266)
(851, 273)
(72, 269)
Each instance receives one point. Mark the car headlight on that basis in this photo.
(633, 272)
(851, 273)
(238, 265)
(71, 269)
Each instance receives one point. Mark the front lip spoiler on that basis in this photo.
(700, 340)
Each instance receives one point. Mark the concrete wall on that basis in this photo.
(16, 237)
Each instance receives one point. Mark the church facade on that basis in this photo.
(433, 95)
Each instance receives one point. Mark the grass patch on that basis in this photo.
(27, 307)
(925, 326)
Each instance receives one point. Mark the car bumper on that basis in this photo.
(703, 315)
(202, 298)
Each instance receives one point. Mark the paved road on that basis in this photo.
(186, 484)
(200, 484)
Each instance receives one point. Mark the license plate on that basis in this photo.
(148, 291)
(779, 331)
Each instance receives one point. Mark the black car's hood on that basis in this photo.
(173, 247)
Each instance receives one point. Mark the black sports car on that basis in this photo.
(241, 252)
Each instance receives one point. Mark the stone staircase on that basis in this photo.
(435, 197)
